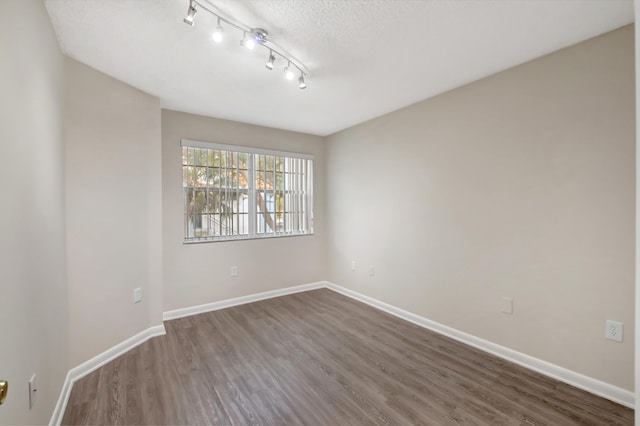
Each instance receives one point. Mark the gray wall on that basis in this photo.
(33, 294)
(200, 273)
(113, 210)
(520, 185)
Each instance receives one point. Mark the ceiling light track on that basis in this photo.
(251, 37)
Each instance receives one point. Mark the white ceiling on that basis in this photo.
(365, 57)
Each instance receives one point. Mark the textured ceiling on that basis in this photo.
(365, 57)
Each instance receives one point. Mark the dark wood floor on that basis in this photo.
(319, 358)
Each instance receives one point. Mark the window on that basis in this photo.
(233, 192)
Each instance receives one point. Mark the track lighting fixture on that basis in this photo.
(270, 61)
(191, 13)
(251, 37)
(217, 34)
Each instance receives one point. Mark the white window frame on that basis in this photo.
(252, 221)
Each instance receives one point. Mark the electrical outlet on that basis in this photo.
(372, 270)
(33, 391)
(137, 295)
(353, 265)
(234, 271)
(613, 330)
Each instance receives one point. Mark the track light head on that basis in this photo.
(301, 83)
(247, 42)
(217, 34)
(256, 36)
(270, 61)
(191, 13)
(288, 72)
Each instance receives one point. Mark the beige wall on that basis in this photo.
(33, 296)
(195, 274)
(113, 210)
(519, 185)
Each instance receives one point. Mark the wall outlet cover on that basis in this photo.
(613, 330)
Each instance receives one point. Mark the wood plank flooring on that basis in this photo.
(319, 358)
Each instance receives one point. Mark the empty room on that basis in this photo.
(318, 212)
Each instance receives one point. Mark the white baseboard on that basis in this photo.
(228, 303)
(97, 362)
(61, 405)
(597, 387)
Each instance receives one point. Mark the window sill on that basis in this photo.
(228, 240)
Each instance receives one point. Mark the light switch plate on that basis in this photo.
(137, 295)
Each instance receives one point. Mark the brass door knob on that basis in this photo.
(4, 388)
